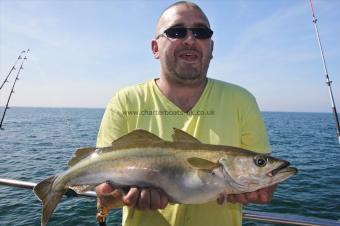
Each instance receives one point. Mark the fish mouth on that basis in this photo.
(283, 168)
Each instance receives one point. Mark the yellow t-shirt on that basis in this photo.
(225, 114)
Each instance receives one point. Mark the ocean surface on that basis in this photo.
(37, 143)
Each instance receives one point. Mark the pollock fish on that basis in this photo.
(188, 171)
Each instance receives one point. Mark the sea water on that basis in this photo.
(37, 143)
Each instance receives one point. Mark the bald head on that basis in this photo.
(166, 16)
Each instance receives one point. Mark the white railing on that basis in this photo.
(274, 218)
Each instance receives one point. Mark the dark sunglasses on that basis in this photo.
(181, 32)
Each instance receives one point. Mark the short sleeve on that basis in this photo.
(113, 124)
(253, 131)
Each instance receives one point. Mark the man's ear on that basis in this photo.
(154, 48)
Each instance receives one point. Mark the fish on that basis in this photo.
(187, 170)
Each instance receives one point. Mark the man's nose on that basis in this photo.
(189, 38)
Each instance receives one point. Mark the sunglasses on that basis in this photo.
(181, 32)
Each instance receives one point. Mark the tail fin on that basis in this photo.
(48, 197)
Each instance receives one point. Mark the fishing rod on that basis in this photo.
(276, 218)
(12, 90)
(12, 69)
(328, 82)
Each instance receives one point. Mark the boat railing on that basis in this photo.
(273, 218)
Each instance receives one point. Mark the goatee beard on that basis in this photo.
(189, 80)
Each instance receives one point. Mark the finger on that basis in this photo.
(220, 199)
(111, 200)
(131, 198)
(241, 198)
(144, 199)
(231, 198)
(108, 196)
(252, 197)
(164, 200)
(265, 195)
(104, 188)
(155, 199)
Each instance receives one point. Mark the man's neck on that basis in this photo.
(183, 96)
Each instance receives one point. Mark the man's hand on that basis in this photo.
(108, 196)
(141, 199)
(260, 196)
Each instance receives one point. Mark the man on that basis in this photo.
(183, 97)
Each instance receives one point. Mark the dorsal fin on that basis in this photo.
(80, 154)
(138, 136)
(181, 136)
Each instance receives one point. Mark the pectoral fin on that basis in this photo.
(202, 164)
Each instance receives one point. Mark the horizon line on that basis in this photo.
(68, 107)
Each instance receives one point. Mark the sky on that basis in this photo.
(83, 51)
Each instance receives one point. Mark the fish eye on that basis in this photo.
(260, 161)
